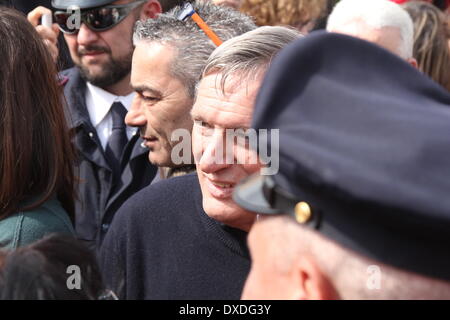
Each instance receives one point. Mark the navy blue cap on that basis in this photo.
(82, 4)
(364, 151)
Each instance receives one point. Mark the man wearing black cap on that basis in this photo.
(112, 163)
(360, 206)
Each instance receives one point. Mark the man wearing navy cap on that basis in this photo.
(112, 162)
(360, 206)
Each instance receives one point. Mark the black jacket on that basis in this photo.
(99, 199)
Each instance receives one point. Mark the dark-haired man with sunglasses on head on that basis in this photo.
(112, 163)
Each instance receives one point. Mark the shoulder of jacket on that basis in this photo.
(49, 217)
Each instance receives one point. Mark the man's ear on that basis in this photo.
(311, 282)
(413, 62)
(150, 10)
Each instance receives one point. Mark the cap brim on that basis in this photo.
(249, 194)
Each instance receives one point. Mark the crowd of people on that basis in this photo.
(144, 168)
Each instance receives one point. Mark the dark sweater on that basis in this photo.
(162, 245)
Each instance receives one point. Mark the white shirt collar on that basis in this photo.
(99, 102)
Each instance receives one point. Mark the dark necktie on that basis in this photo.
(118, 138)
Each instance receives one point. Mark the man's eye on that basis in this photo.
(204, 128)
(146, 97)
(149, 98)
(207, 125)
(203, 124)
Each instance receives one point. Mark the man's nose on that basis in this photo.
(135, 116)
(86, 36)
(215, 155)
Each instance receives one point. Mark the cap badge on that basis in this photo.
(302, 212)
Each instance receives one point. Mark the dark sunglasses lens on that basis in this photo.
(61, 18)
(103, 18)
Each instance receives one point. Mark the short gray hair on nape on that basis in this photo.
(375, 14)
(249, 54)
(192, 45)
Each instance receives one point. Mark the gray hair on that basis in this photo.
(192, 45)
(376, 14)
(250, 53)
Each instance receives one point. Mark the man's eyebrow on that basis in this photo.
(238, 127)
(142, 88)
(199, 117)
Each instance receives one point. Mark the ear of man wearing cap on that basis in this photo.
(379, 21)
(360, 206)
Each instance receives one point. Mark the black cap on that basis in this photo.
(364, 151)
(82, 4)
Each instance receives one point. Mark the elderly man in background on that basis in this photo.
(379, 21)
(185, 238)
(167, 63)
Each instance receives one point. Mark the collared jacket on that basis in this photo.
(99, 197)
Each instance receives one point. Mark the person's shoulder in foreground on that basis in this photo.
(162, 245)
(25, 227)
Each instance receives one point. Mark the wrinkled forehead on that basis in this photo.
(226, 100)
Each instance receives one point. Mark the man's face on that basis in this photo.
(213, 113)
(270, 276)
(104, 58)
(162, 102)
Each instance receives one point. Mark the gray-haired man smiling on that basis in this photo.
(185, 238)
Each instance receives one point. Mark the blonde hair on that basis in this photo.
(430, 41)
(295, 13)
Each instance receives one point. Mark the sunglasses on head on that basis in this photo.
(96, 19)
